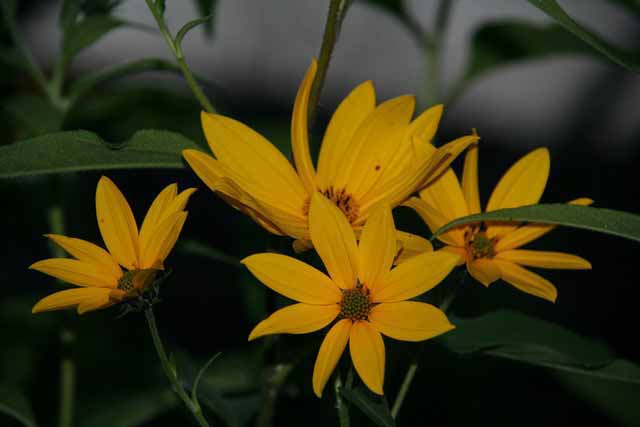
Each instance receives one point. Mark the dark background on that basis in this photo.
(583, 108)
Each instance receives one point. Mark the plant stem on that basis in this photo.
(176, 50)
(275, 377)
(170, 370)
(337, 11)
(341, 407)
(67, 378)
(433, 91)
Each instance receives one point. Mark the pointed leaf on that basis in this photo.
(373, 406)
(87, 32)
(196, 382)
(14, 404)
(188, 27)
(206, 8)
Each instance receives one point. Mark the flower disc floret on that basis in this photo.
(480, 246)
(356, 303)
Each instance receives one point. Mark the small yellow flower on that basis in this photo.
(490, 250)
(369, 155)
(97, 272)
(362, 291)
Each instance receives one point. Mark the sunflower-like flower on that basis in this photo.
(98, 273)
(369, 155)
(491, 250)
(361, 291)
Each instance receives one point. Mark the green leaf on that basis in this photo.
(188, 27)
(15, 405)
(161, 5)
(84, 151)
(196, 382)
(87, 32)
(515, 335)
(625, 58)
(206, 9)
(36, 114)
(373, 406)
(608, 221)
(131, 410)
(68, 13)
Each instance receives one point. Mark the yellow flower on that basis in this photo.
(362, 291)
(369, 155)
(97, 272)
(491, 250)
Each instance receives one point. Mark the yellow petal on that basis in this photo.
(345, 121)
(292, 278)
(434, 220)
(117, 224)
(296, 319)
(97, 302)
(470, 187)
(445, 194)
(425, 126)
(485, 271)
(543, 259)
(377, 247)
(79, 273)
(156, 210)
(162, 241)
(440, 160)
(249, 156)
(66, 299)
(527, 281)
(330, 351)
(523, 184)
(367, 353)
(334, 240)
(414, 277)
(409, 320)
(410, 245)
(300, 131)
(529, 232)
(369, 149)
(88, 252)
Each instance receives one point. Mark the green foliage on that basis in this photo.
(206, 9)
(35, 114)
(82, 151)
(608, 221)
(188, 27)
(88, 31)
(15, 405)
(373, 406)
(627, 59)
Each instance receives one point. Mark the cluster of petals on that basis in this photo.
(491, 250)
(367, 266)
(98, 273)
(369, 155)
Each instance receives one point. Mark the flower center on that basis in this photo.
(356, 303)
(344, 201)
(136, 282)
(480, 246)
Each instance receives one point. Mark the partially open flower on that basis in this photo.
(97, 273)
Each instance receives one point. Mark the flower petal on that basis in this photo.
(334, 240)
(425, 126)
(292, 278)
(79, 273)
(377, 246)
(414, 277)
(470, 187)
(367, 353)
(523, 184)
(439, 161)
(300, 131)
(409, 320)
(330, 351)
(264, 170)
(97, 302)
(485, 271)
(296, 319)
(531, 231)
(68, 298)
(410, 245)
(445, 194)
(162, 241)
(88, 252)
(155, 212)
(527, 281)
(434, 220)
(544, 259)
(349, 115)
(117, 224)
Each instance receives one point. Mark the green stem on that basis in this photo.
(67, 378)
(177, 53)
(341, 406)
(275, 378)
(433, 91)
(337, 10)
(170, 370)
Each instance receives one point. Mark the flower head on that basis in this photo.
(370, 155)
(98, 273)
(361, 291)
(491, 250)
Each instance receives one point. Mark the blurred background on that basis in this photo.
(252, 58)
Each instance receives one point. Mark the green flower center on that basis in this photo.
(356, 303)
(480, 246)
(136, 282)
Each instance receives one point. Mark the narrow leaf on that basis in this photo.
(84, 151)
(35, 114)
(87, 32)
(625, 58)
(15, 405)
(206, 8)
(374, 407)
(608, 221)
(188, 27)
(196, 382)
